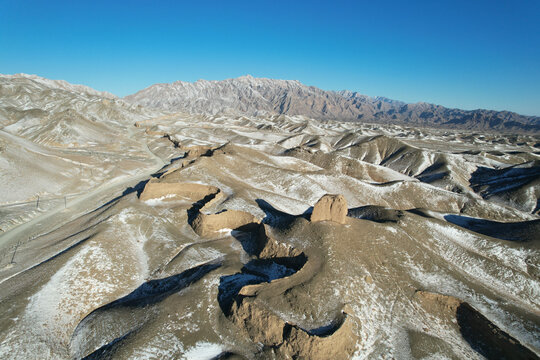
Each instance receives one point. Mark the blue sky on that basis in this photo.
(467, 54)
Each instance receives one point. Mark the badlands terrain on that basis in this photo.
(149, 228)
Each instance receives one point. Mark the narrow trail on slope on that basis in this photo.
(46, 222)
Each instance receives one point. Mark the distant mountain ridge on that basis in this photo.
(59, 114)
(258, 96)
(57, 84)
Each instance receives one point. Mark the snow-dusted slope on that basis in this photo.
(58, 140)
(254, 96)
(56, 113)
(60, 84)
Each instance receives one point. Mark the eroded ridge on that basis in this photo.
(271, 272)
(276, 268)
(482, 334)
(97, 335)
(166, 191)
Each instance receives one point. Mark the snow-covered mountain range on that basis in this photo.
(251, 96)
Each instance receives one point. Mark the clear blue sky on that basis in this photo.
(467, 54)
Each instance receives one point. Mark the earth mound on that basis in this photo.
(206, 225)
(330, 208)
(177, 191)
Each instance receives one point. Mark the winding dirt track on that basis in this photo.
(49, 220)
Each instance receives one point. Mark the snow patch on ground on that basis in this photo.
(203, 351)
(159, 200)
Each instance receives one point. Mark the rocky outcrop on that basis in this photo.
(197, 150)
(289, 340)
(330, 208)
(207, 225)
(248, 310)
(178, 191)
(433, 302)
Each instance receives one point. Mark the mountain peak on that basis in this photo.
(247, 95)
